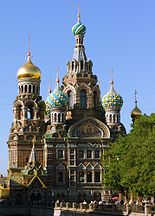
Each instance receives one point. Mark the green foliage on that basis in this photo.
(130, 161)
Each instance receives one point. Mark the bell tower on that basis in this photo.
(79, 83)
(28, 121)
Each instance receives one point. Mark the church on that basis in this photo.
(56, 147)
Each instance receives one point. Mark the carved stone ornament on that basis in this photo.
(89, 127)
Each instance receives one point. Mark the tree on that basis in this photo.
(130, 160)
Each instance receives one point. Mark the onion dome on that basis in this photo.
(57, 98)
(136, 112)
(78, 28)
(29, 70)
(112, 100)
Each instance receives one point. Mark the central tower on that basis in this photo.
(79, 83)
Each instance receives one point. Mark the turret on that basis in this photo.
(112, 103)
(136, 112)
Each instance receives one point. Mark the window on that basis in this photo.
(72, 157)
(33, 88)
(60, 176)
(60, 154)
(25, 88)
(29, 112)
(71, 163)
(97, 153)
(72, 151)
(89, 155)
(58, 117)
(89, 176)
(97, 176)
(70, 99)
(72, 172)
(83, 99)
(81, 154)
(29, 88)
(81, 176)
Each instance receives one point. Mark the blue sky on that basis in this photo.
(120, 37)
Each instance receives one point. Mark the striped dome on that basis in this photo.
(78, 29)
(112, 100)
(57, 98)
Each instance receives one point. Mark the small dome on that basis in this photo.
(78, 29)
(29, 70)
(136, 112)
(112, 100)
(57, 99)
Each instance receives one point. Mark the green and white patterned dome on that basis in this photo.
(112, 100)
(78, 28)
(57, 98)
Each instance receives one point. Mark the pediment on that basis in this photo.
(89, 128)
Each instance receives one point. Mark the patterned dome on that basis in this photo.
(112, 100)
(78, 29)
(57, 98)
(29, 70)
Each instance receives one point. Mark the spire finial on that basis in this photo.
(49, 89)
(112, 79)
(29, 52)
(57, 79)
(79, 12)
(135, 97)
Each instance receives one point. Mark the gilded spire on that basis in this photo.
(136, 112)
(79, 13)
(49, 89)
(112, 80)
(29, 52)
(57, 79)
(135, 98)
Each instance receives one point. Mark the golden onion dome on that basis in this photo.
(136, 112)
(29, 70)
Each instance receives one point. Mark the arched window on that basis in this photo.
(95, 99)
(25, 88)
(63, 117)
(22, 89)
(58, 117)
(97, 176)
(30, 112)
(81, 176)
(83, 99)
(33, 88)
(29, 88)
(114, 118)
(89, 176)
(55, 117)
(70, 99)
(81, 65)
(110, 118)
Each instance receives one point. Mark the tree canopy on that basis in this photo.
(130, 160)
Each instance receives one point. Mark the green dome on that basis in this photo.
(78, 29)
(112, 100)
(57, 99)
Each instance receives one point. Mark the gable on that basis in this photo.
(89, 128)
